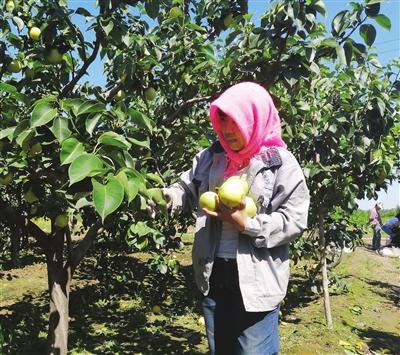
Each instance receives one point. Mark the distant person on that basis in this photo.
(375, 221)
(392, 228)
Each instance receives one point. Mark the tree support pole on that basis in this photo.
(324, 272)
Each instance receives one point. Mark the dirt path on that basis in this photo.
(366, 319)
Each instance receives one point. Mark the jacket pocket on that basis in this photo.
(271, 270)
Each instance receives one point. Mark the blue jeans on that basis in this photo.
(230, 329)
(376, 239)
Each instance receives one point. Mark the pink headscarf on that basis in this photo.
(252, 109)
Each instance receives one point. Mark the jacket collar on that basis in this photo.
(269, 159)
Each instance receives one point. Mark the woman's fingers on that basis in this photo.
(242, 205)
(210, 213)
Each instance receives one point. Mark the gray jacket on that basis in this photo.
(277, 183)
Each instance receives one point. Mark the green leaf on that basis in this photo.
(368, 34)
(372, 9)
(208, 51)
(129, 161)
(7, 132)
(21, 127)
(107, 26)
(310, 53)
(145, 143)
(340, 54)
(130, 182)
(348, 51)
(320, 7)
(42, 113)
(19, 23)
(196, 27)
(8, 88)
(303, 106)
(107, 198)
(91, 123)
(315, 68)
(70, 149)
(359, 48)
(25, 136)
(73, 104)
(60, 129)
(155, 178)
(141, 229)
(83, 202)
(139, 242)
(82, 11)
(162, 268)
(329, 42)
(340, 22)
(157, 196)
(12, 90)
(141, 119)
(375, 62)
(90, 107)
(85, 165)
(114, 139)
(380, 105)
(357, 310)
(383, 21)
(123, 179)
(152, 8)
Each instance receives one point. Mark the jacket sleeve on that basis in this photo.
(184, 193)
(289, 206)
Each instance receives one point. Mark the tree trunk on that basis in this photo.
(15, 246)
(59, 280)
(322, 246)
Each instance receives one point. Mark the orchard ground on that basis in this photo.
(113, 296)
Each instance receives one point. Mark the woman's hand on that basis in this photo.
(236, 216)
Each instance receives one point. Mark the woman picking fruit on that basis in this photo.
(241, 255)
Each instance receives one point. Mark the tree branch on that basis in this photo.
(80, 251)
(69, 243)
(78, 34)
(70, 86)
(351, 32)
(37, 233)
(188, 103)
(108, 95)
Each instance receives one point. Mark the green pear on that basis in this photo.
(232, 192)
(209, 200)
(35, 149)
(30, 196)
(251, 208)
(243, 181)
(175, 12)
(54, 57)
(228, 20)
(156, 309)
(120, 95)
(15, 66)
(150, 93)
(35, 33)
(61, 220)
(6, 179)
(29, 73)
